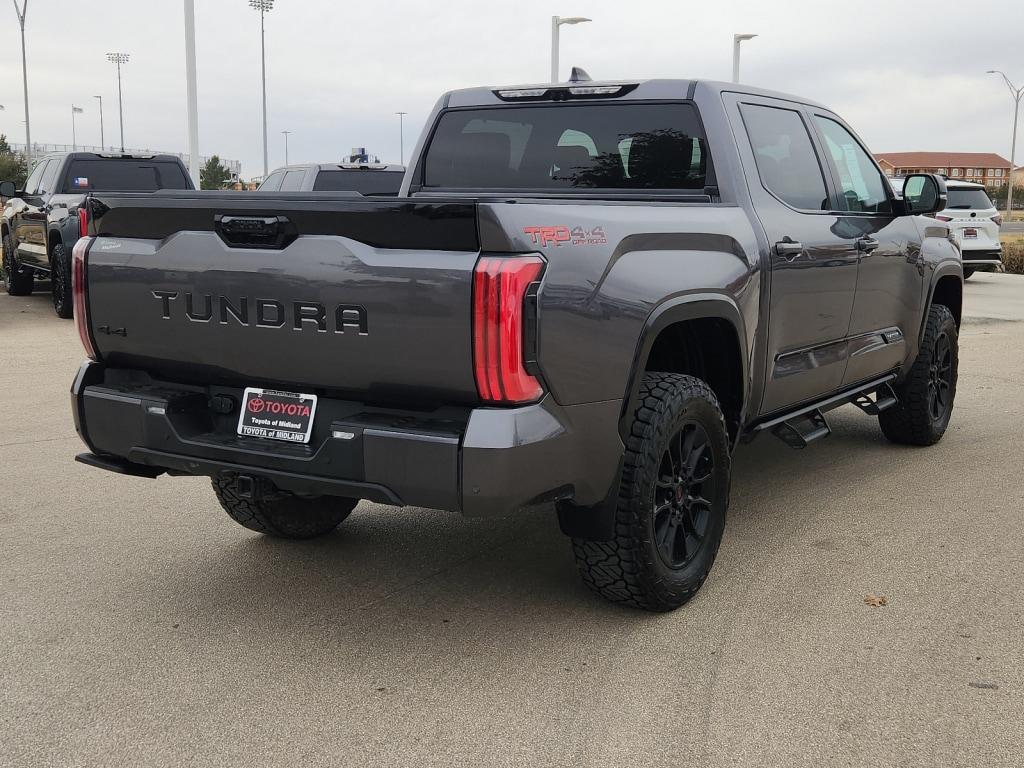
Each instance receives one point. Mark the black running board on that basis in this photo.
(806, 424)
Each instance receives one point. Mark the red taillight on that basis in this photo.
(83, 222)
(81, 309)
(500, 286)
(997, 220)
(943, 218)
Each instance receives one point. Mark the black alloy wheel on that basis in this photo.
(940, 378)
(683, 496)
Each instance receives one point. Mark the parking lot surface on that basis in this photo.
(140, 626)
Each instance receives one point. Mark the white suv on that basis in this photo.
(974, 222)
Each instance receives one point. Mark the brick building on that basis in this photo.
(981, 167)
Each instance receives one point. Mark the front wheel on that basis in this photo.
(60, 281)
(925, 398)
(16, 282)
(282, 514)
(968, 271)
(673, 496)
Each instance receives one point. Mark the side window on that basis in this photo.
(48, 183)
(292, 181)
(33, 180)
(861, 187)
(786, 160)
(273, 182)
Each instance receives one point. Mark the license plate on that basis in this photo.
(970, 233)
(276, 415)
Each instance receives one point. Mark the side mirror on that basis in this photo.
(7, 189)
(924, 193)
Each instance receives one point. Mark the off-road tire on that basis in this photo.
(281, 514)
(630, 569)
(16, 283)
(912, 421)
(60, 281)
(968, 271)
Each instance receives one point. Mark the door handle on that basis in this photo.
(789, 250)
(866, 244)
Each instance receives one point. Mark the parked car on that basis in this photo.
(364, 178)
(586, 294)
(974, 221)
(42, 222)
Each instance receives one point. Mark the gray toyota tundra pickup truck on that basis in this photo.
(585, 296)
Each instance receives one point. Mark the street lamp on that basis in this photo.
(103, 141)
(24, 80)
(736, 40)
(556, 22)
(263, 6)
(286, 134)
(74, 139)
(1016, 93)
(119, 59)
(192, 112)
(401, 136)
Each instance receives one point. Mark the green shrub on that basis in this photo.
(1013, 256)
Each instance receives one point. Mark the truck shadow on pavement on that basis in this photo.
(422, 568)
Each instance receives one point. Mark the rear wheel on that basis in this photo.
(16, 283)
(673, 497)
(282, 514)
(926, 395)
(968, 271)
(60, 281)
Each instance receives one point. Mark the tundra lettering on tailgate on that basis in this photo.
(266, 313)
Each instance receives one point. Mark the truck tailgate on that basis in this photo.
(365, 298)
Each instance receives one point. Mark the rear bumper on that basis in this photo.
(480, 461)
(982, 257)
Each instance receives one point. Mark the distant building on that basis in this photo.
(980, 167)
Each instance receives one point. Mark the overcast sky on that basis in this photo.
(908, 75)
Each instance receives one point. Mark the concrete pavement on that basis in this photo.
(140, 626)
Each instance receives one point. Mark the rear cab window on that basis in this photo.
(555, 147)
(365, 181)
(123, 175)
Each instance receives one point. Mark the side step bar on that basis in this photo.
(805, 425)
(885, 398)
(802, 430)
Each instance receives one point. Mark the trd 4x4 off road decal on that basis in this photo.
(562, 235)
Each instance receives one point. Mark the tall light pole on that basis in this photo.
(119, 59)
(263, 6)
(556, 22)
(401, 136)
(103, 140)
(286, 134)
(736, 40)
(190, 91)
(74, 138)
(24, 80)
(1016, 93)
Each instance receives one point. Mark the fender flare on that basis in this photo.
(680, 308)
(946, 268)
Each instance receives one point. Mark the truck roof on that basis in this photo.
(650, 89)
(342, 167)
(112, 156)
